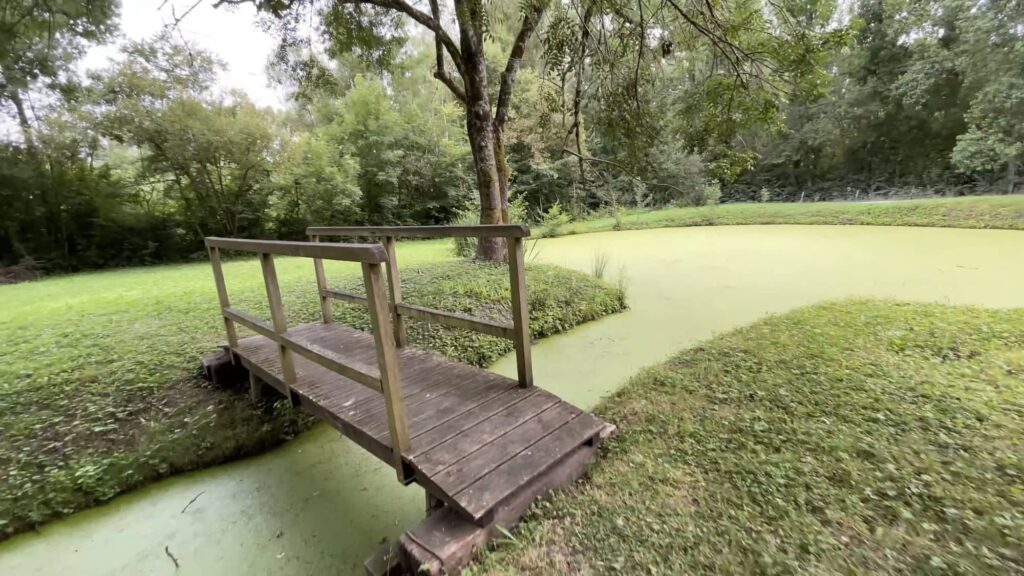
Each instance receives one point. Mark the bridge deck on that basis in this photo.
(476, 436)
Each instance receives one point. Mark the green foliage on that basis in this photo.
(599, 265)
(811, 442)
(555, 220)
(1006, 212)
(712, 193)
(84, 422)
(922, 96)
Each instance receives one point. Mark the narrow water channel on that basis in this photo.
(319, 505)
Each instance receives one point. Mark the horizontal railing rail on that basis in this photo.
(518, 331)
(356, 372)
(370, 253)
(385, 379)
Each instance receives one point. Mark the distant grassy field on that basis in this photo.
(969, 212)
(853, 437)
(99, 387)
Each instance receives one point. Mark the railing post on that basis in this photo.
(321, 284)
(520, 311)
(279, 320)
(395, 291)
(387, 358)
(222, 296)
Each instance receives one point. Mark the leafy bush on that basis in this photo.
(554, 221)
(559, 300)
(599, 264)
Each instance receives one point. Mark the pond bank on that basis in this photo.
(317, 505)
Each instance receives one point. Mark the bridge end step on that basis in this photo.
(445, 542)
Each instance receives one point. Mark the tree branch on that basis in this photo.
(419, 16)
(625, 170)
(515, 58)
(440, 73)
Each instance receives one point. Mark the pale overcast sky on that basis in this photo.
(228, 32)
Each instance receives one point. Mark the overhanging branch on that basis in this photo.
(515, 58)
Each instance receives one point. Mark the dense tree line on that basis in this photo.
(591, 106)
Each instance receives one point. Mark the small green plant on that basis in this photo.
(764, 195)
(555, 221)
(599, 264)
(617, 215)
(712, 193)
(465, 247)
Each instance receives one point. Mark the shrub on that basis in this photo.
(559, 300)
(555, 221)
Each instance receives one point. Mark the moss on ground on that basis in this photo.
(850, 437)
(100, 392)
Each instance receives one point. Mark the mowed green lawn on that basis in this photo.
(100, 389)
(1006, 212)
(851, 437)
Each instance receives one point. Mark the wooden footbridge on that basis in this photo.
(482, 445)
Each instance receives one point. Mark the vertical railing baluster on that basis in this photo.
(387, 358)
(321, 286)
(395, 291)
(520, 311)
(222, 296)
(279, 320)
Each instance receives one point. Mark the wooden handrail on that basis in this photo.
(453, 319)
(518, 332)
(473, 231)
(386, 380)
(356, 372)
(372, 253)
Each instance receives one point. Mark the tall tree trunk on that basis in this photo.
(480, 127)
(503, 172)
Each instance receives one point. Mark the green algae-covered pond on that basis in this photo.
(319, 505)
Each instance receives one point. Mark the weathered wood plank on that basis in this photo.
(520, 312)
(278, 318)
(506, 444)
(456, 320)
(366, 253)
(456, 400)
(477, 231)
(395, 291)
(482, 496)
(391, 384)
(342, 295)
(469, 440)
(222, 296)
(326, 312)
(427, 439)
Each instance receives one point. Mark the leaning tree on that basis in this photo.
(752, 42)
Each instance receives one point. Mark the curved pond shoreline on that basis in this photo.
(320, 505)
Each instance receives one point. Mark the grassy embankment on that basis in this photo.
(1005, 212)
(850, 437)
(99, 387)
